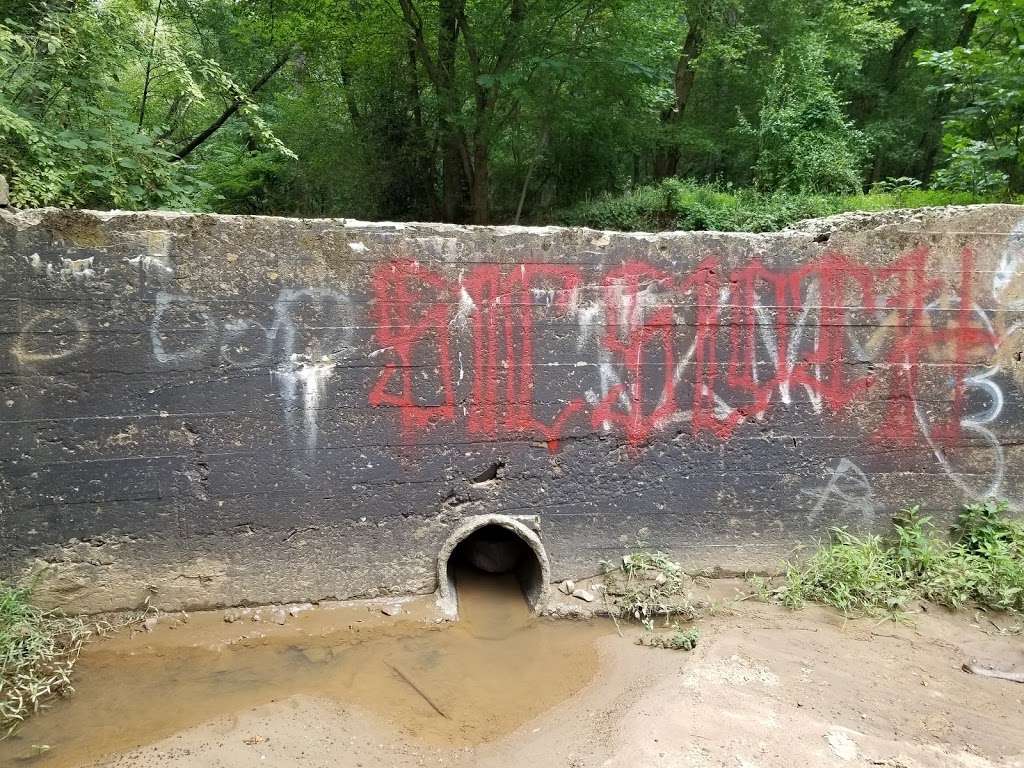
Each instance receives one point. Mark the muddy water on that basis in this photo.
(457, 684)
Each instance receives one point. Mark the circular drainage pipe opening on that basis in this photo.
(494, 544)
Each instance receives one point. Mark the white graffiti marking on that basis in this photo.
(308, 353)
(310, 364)
(975, 423)
(70, 269)
(1010, 263)
(198, 348)
(850, 487)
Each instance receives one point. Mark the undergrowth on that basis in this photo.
(980, 562)
(676, 204)
(38, 650)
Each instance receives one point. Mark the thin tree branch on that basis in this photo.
(149, 64)
(541, 147)
(415, 24)
(232, 108)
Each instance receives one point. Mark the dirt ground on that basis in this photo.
(344, 686)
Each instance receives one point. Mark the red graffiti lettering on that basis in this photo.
(822, 371)
(400, 288)
(506, 303)
(636, 318)
(760, 334)
(709, 413)
(521, 416)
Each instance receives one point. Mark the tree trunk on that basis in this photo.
(454, 181)
(426, 162)
(1016, 173)
(350, 102)
(149, 65)
(666, 158)
(481, 187)
(541, 148)
(931, 141)
(898, 56)
(414, 86)
(892, 77)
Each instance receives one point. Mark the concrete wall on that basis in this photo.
(217, 410)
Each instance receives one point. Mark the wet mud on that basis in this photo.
(442, 684)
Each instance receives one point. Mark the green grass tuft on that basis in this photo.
(981, 562)
(38, 650)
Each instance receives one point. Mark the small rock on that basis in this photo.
(661, 578)
(391, 610)
(842, 746)
(232, 616)
(149, 623)
(568, 586)
(584, 595)
(279, 616)
(256, 616)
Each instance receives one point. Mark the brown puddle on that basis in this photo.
(457, 684)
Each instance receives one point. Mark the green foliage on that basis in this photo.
(38, 652)
(983, 84)
(64, 137)
(982, 562)
(972, 166)
(690, 206)
(804, 141)
(724, 114)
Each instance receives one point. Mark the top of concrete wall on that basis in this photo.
(920, 219)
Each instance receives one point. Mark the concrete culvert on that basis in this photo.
(494, 544)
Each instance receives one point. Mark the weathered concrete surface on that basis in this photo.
(218, 410)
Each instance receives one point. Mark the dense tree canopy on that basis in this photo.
(500, 110)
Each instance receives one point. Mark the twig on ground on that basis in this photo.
(419, 690)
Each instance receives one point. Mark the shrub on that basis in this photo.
(804, 140)
(677, 640)
(981, 562)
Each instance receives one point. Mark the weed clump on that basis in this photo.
(678, 640)
(38, 649)
(980, 562)
(649, 585)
